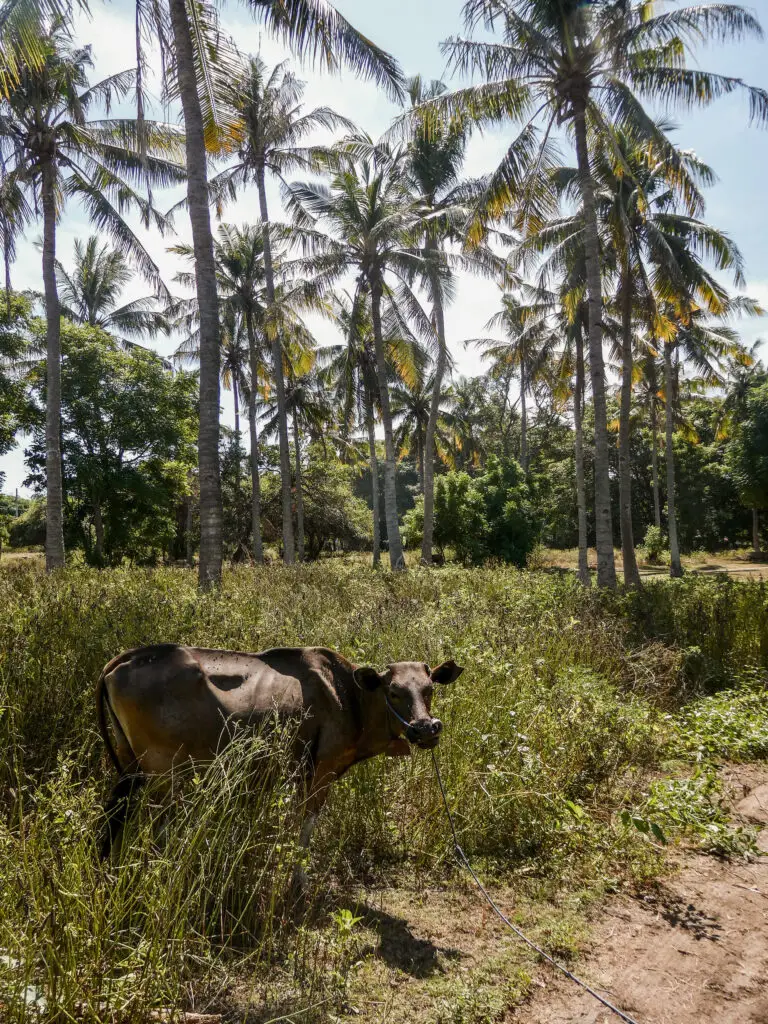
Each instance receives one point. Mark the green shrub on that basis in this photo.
(654, 546)
(489, 516)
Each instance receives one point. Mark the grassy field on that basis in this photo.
(583, 736)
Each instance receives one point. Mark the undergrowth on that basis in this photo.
(569, 701)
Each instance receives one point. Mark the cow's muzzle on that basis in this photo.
(424, 733)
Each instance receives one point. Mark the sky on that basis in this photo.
(412, 30)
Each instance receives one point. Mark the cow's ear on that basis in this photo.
(367, 678)
(448, 672)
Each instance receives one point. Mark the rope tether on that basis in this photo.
(462, 858)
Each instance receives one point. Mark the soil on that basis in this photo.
(695, 950)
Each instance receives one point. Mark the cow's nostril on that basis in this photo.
(437, 726)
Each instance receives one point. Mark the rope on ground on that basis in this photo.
(464, 861)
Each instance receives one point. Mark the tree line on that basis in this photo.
(606, 261)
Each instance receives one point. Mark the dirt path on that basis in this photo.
(694, 952)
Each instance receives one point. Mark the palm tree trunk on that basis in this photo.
(755, 531)
(299, 492)
(523, 418)
(258, 547)
(6, 259)
(190, 543)
(434, 411)
(578, 431)
(277, 370)
(236, 399)
(655, 457)
(606, 568)
(54, 507)
(208, 305)
(396, 558)
(631, 574)
(676, 568)
(374, 479)
(420, 458)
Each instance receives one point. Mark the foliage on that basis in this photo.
(28, 529)
(748, 452)
(334, 517)
(15, 323)
(654, 545)
(490, 516)
(730, 726)
(128, 431)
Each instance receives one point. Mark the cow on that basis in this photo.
(168, 704)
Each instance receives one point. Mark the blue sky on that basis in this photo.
(413, 30)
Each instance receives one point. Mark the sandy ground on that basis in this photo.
(694, 951)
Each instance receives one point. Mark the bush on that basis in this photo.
(29, 528)
(654, 546)
(490, 516)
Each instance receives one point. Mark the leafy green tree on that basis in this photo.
(128, 441)
(334, 516)
(52, 151)
(748, 457)
(481, 518)
(28, 528)
(15, 345)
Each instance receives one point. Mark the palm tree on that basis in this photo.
(585, 66)
(466, 401)
(649, 398)
(373, 224)
(53, 152)
(412, 406)
(641, 197)
(310, 413)
(350, 370)
(241, 281)
(435, 158)
(274, 129)
(690, 329)
(16, 214)
(528, 345)
(203, 69)
(233, 367)
(91, 290)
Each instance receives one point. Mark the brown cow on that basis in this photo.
(169, 704)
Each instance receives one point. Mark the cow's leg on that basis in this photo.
(317, 794)
(118, 810)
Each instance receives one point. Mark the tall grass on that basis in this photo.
(562, 706)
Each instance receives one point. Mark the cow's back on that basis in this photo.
(173, 702)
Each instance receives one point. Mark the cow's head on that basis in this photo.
(407, 687)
